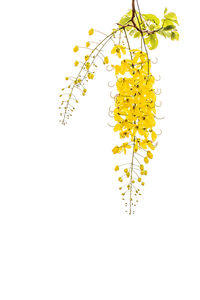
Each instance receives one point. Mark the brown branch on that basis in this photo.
(141, 31)
(135, 26)
(133, 11)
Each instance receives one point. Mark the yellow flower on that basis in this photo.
(151, 146)
(117, 168)
(116, 150)
(106, 60)
(66, 78)
(86, 57)
(76, 48)
(91, 31)
(120, 179)
(125, 146)
(118, 127)
(117, 69)
(149, 154)
(76, 63)
(146, 160)
(141, 167)
(87, 65)
(118, 49)
(153, 136)
(87, 44)
(90, 76)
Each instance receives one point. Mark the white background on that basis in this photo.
(63, 230)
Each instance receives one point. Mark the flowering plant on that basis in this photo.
(134, 107)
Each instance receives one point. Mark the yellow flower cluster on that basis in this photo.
(86, 72)
(117, 49)
(87, 68)
(134, 114)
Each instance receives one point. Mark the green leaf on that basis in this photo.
(166, 34)
(137, 34)
(152, 18)
(152, 27)
(147, 40)
(153, 41)
(169, 27)
(177, 36)
(129, 13)
(172, 16)
(167, 22)
(165, 11)
(174, 35)
(126, 18)
(132, 31)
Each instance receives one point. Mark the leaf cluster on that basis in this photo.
(151, 26)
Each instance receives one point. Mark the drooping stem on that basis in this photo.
(133, 152)
(103, 42)
(133, 11)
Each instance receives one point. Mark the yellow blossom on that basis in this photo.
(87, 65)
(153, 136)
(125, 146)
(117, 49)
(116, 150)
(90, 76)
(91, 31)
(142, 167)
(106, 60)
(149, 154)
(76, 48)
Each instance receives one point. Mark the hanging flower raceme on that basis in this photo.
(76, 86)
(134, 114)
(134, 107)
